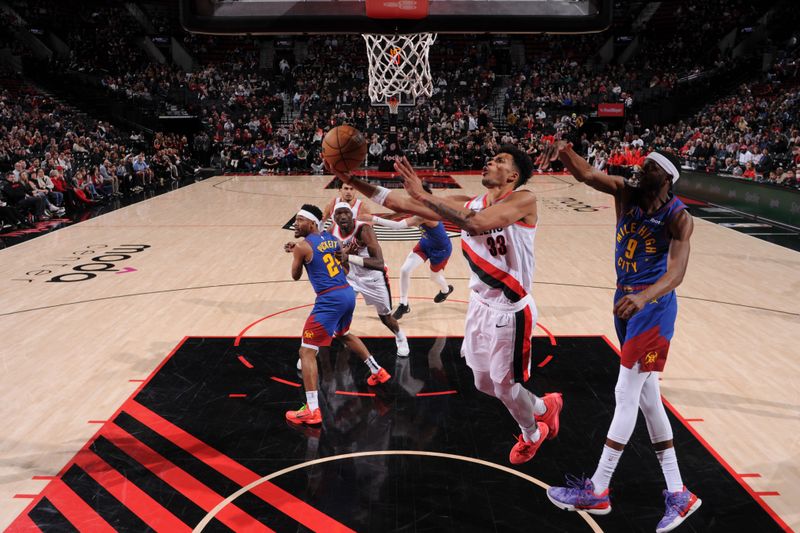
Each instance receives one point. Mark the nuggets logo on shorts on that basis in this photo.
(308, 334)
(650, 358)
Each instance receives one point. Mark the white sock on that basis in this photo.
(539, 408)
(438, 277)
(412, 262)
(531, 434)
(669, 466)
(605, 469)
(373, 365)
(400, 336)
(311, 400)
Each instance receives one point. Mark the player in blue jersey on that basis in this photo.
(319, 254)
(433, 246)
(652, 252)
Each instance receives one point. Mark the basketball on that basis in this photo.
(344, 148)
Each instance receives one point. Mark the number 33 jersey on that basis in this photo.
(501, 259)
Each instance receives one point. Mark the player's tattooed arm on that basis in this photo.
(460, 217)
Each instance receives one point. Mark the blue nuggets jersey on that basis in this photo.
(434, 238)
(642, 243)
(324, 271)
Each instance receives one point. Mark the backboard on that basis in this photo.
(283, 17)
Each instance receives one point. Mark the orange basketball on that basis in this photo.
(344, 148)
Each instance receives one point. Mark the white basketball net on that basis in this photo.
(399, 64)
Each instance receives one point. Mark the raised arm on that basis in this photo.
(580, 168)
(681, 229)
(409, 222)
(520, 206)
(398, 200)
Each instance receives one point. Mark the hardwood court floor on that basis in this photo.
(207, 260)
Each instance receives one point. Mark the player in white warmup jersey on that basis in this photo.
(346, 194)
(498, 228)
(367, 273)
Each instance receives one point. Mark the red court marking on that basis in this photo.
(440, 393)
(245, 362)
(770, 493)
(136, 380)
(285, 502)
(23, 496)
(182, 481)
(241, 333)
(750, 475)
(66, 467)
(22, 524)
(545, 361)
(550, 335)
(237, 395)
(715, 454)
(75, 509)
(131, 496)
(693, 420)
(97, 421)
(348, 393)
(44, 477)
(285, 382)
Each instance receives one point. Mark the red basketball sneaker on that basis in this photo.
(304, 416)
(382, 376)
(523, 451)
(554, 403)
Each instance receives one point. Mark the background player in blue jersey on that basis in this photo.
(652, 252)
(319, 253)
(433, 246)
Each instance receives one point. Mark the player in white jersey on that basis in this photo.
(367, 273)
(498, 228)
(346, 194)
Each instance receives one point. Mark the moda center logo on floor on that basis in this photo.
(84, 264)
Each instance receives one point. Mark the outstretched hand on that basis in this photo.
(411, 181)
(550, 154)
(344, 177)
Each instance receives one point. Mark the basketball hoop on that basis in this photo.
(394, 104)
(399, 64)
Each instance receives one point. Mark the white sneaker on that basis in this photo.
(402, 348)
(299, 365)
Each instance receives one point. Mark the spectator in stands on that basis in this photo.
(17, 196)
(142, 173)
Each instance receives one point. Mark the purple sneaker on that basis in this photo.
(679, 506)
(579, 495)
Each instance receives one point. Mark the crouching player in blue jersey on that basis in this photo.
(652, 252)
(434, 246)
(319, 254)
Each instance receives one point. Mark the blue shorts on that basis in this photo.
(645, 337)
(437, 256)
(331, 315)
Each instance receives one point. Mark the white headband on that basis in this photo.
(664, 163)
(306, 214)
(342, 205)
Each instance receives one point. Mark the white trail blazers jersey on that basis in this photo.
(501, 259)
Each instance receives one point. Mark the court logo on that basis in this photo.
(92, 260)
(570, 204)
